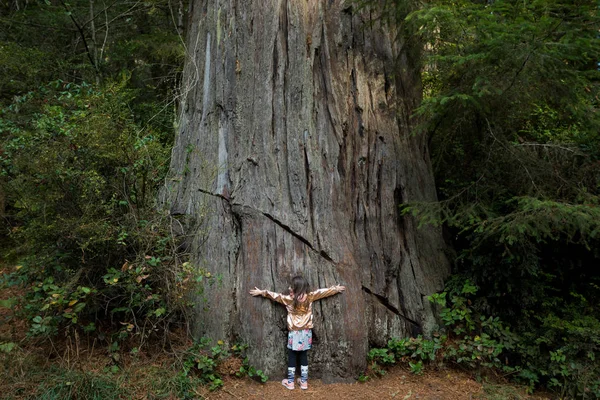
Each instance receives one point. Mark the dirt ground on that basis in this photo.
(396, 384)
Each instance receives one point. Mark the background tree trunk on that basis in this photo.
(293, 153)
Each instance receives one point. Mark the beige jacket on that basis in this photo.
(302, 317)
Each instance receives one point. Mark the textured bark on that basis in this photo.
(293, 153)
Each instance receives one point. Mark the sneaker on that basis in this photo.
(303, 385)
(288, 384)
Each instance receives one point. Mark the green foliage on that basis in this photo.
(557, 347)
(19, 66)
(379, 358)
(473, 340)
(405, 350)
(416, 368)
(561, 354)
(41, 41)
(532, 356)
(561, 351)
(81, 163)
(514, 142)
(203, 361)
(248, 370)
(86, 128)
(238, 350)
(81, 181)
(7, 347)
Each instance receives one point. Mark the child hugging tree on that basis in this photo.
(300, 323)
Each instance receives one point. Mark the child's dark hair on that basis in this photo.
(299, 287)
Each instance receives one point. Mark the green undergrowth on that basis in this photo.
(204, 361)
(187, 373)
(86, 132)
(495, 391)
(59, 382)
(25, 376)
(68, 384)
(562, 359)
(93, 250)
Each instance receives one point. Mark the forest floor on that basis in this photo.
(398, 383)
(151, 377)
(73, 367)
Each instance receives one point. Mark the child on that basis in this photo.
(300, 323)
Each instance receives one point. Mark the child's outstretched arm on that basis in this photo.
(326, 292)
(278, 297)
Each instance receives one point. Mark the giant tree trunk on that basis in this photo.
(294, 151)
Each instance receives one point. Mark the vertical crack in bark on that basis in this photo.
(286, 36)
(206, 81)
(398, 201)
(236, 223)
(311, 214)
(386, 84)
(272, 265)
(386, 302)
(371, 97)
(357, 108)
(285, 43)
(324, 56)
(341, 167)
(251, 67)
(358, 179)
(274, 83)
(412, 268)
(379, 183)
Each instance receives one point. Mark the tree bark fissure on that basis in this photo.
(285, 227)
(387, 304)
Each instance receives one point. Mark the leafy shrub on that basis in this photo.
(561, 351)
(561, 355)
(204, 361)
(91, 243)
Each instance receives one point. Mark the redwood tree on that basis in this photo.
(294, 150)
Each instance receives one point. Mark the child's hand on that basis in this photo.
(340, 288)
(256, 292)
